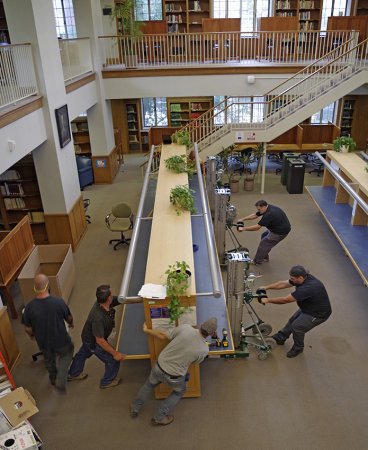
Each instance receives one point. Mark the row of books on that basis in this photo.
(14, 203)
(175, 107)
(10, 175)
(36, 216)
(12, 189)
(171, 7)
(173, 18)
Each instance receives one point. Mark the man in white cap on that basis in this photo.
(187, 345)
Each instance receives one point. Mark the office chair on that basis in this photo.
(318, 165)
(120, 219)
(86, 203)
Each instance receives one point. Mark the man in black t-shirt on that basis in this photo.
(278, 227)
(314, 307)
(44, 320)
(95, 334)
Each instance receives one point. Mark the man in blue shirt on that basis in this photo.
(314, 307)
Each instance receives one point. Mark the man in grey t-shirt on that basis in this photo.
(187, 345)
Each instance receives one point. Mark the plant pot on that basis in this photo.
(234, 186)
(189, 279)
(249, 183)
(344, 149)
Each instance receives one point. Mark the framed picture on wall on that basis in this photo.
(63, 125)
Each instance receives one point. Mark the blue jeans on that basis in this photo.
(58, 373)
(157, 376)
(85, 352)
(299, 324)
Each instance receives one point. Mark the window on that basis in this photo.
(332, 8)
(326, 115)
(243, 111)
(148, 10)
(154, 112)
(64, 18)
(248, 11)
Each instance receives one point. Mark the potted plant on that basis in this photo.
(250, 157)
(123, 12)
(344, 144)
(182, 199)
(180, 164)
(177, 284)
(181, 137)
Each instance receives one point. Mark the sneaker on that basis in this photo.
(80, 377)
(278, 339)
(133, 413)
(113, 383)
(294, 352)
(255, 263)
(165, 421)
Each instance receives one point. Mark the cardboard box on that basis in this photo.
(16, 407)
(57, 262)
(21, 438)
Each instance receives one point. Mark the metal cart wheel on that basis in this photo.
(271, 343)
(262, 355)
(264, 328)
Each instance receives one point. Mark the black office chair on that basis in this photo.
(318, 165)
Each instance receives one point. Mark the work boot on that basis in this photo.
(80, 377)
(113, 383)
(294, 351)
(133, 413)
(255, 263)
(279, 340)
(165, 421)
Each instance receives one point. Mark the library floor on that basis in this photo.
(315, 401)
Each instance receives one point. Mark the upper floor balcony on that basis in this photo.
(218, 51)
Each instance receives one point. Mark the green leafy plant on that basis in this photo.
(366, 168)
(344, 141)
(177, 284)
(123, 12)
(182, 199)
(181, 137)
(180, 164)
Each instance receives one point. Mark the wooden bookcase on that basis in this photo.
(132, 125)
(361, 7)
(4, 32)
(185, 16)
(20, 196)
(352, 114)
(82, 144)
(359, 23)
(181, 111)
(308, 12)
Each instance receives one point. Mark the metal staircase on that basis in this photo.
(329, 78)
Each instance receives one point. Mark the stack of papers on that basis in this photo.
(152, 291)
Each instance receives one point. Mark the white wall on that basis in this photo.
(190, 86)
(82, 99)
(29, 132)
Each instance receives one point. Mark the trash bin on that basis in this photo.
(285, 165)
(295, 179)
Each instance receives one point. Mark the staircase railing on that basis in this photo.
(300, 89)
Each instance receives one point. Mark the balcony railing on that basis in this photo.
(76, 57)
(226, 48)
(17, 74)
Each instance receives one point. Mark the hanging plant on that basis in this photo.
(177, 284)
(182, 199)
(180, 164)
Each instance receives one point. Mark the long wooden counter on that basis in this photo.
(346, 218)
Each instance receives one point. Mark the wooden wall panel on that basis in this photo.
(105, 167)
(67, 228)
(8, 345)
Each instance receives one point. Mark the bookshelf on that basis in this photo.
(82, 143)
(352, 114)
(347, 117)
(361, 7)
(308, 12)
(181, 111)
(185, 16)
(20, 196)
(132, 135)
(4, 32)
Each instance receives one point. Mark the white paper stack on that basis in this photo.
(152, 291)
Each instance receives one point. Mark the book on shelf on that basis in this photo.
(14, 203)
(130, 109)
(13, 189)
(74, 127)
(36, 217)
(175, 107)
(10, 175)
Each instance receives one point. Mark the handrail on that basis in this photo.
(212, 257)
(343, 183)
(305, 69)
(134, 240)
(364, 155)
